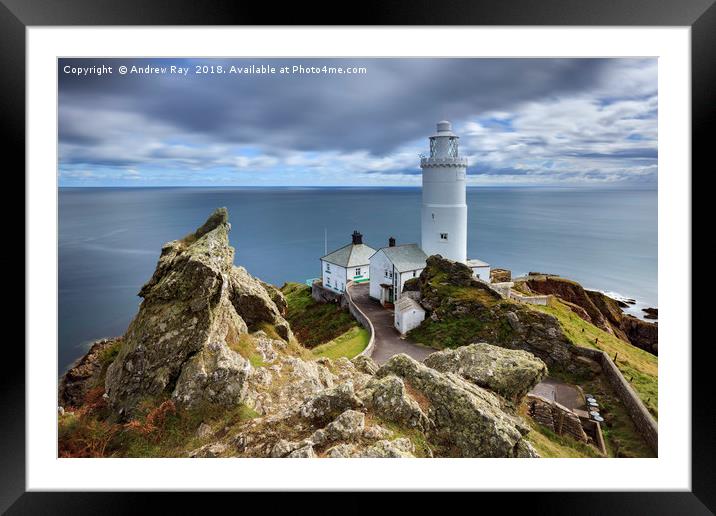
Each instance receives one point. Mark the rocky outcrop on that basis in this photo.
(471, 311)
(329, 403)
(389, 400)
(498, 275)
(466, 420)
(251, 299)
(509, 373)
(193, 312)
(572, 292)
(642, 334)
(86, 373)
(598, 309)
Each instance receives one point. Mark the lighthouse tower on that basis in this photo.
(444, 211)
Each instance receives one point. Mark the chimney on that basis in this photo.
(357, 237)
(391, 242)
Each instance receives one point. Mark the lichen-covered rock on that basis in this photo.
(253, 303)
(461, 310)
(388, 399)
(85, 373)
(398, 448)
(346, 427)
(329, 403)
(510, 373)
(210, 451)
(181, 340)
(467, 420)
(214, 375)
(306, 452)
(365, 364)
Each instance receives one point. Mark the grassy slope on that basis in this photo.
(638, 367)
(328, 330)
(452, 332)
(350, 344)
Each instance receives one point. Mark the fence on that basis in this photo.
(640, 415)
(362, 319)
(344, 300)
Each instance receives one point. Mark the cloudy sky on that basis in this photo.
(521, 122)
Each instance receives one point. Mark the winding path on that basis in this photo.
(387, 338)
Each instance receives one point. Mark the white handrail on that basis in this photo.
(368, 351)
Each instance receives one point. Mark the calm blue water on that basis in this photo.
(110, 238)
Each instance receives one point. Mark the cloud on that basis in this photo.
(550, 119)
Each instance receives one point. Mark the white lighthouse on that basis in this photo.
(444, 211)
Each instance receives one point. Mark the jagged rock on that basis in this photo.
(254, 304)
(399, 448)
(510, 373)
(650, 313)
(388, 399)
(84, 374)
(180, 341)
(305, 452)
(365, 364)
(376, 432)
(284, 448)
(214, 375)
(466, 419)
(329, 403)
(265, 346)
(277, 297)
(642, 334)
(498, 275)
(210, 451)
(453, 299)
(346, 427)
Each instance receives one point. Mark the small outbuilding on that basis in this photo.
(480, 269)
(408, 314)
(349, 263)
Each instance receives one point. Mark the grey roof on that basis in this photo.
(407, 303)
(351, 255)
(474, 262)
(406, 257)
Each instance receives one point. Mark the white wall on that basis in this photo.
(379, 263)
(364, 273)
(333, 276)
(408, 319)
(405, 276)
(444, 210)
(482, 272)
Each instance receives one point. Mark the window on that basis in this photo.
(328, 281)
(414, 273)
(358, 271)
(328, 267)
(443, 236)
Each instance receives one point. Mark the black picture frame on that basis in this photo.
(700, 15)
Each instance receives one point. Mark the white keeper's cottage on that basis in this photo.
(391, 267)
(349, 263)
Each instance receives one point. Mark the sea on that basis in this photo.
(110, 239)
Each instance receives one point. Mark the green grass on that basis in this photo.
(459, 331)
(348, 345)
(314, 323)
(638, 367)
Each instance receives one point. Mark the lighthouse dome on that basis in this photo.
(444, 126)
